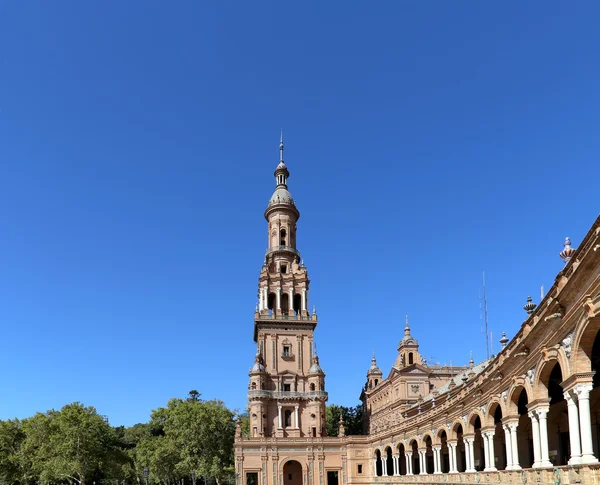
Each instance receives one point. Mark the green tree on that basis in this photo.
(14, 465)
(245, 423)
(203, 433)
(75, 443)
(353, 419)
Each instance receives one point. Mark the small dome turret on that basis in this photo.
(374, 370)
(315, 368)
(258, 366)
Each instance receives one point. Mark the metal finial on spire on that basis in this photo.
(471, 361)
(281, 147)
(504, 340)
(406, 327)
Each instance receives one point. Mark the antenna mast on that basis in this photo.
(485, 316)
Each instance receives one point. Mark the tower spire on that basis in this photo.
(406, 327)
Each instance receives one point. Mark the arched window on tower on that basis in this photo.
(271, 301)
(297, 302)
(282, 238)
(288, 418)
(410, 358)
(253, 387)
(312, 386)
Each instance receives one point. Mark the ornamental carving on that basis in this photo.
(530, 375)
(566, 344)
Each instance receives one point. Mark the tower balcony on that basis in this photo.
(282, 249)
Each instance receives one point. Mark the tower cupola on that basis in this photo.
(408, 349)
(374, 374)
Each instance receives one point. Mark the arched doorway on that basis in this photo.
(378, 463)
(292, 473)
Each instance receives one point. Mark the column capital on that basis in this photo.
(512, 425)
(452, 442)
(539, 404)
(583, 390)
(575, 379)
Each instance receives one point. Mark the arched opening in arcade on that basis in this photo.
(429, 465)
(461, 451)
(444, 453)
(378, 463)
(478, 446)
(416, 465)
(499, 442)
(401, 459)
(523, 455)
(292, 473)
(586, 359)
(272, 301)
(551, 376)
(389, 462)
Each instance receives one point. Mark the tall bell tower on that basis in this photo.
(286, 394)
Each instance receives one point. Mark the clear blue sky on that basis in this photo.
(427, 141)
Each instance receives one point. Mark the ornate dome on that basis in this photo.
(281, 196)
(315, 368)
(258, 365)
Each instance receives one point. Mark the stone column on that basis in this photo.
(278, 299)
(436, 460)
(574, 439)
(471, 454)
(486, 451)
(303, 299)
(422, 462)
(396, 465)
(279, 421)
(408, 459)
(492, 465)
(535, 431)
(585, 423)
(452, 456)
(508, 444)
(291, 303)
(296, 419)
(542, 413)
(375, 467)
(514, 444)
